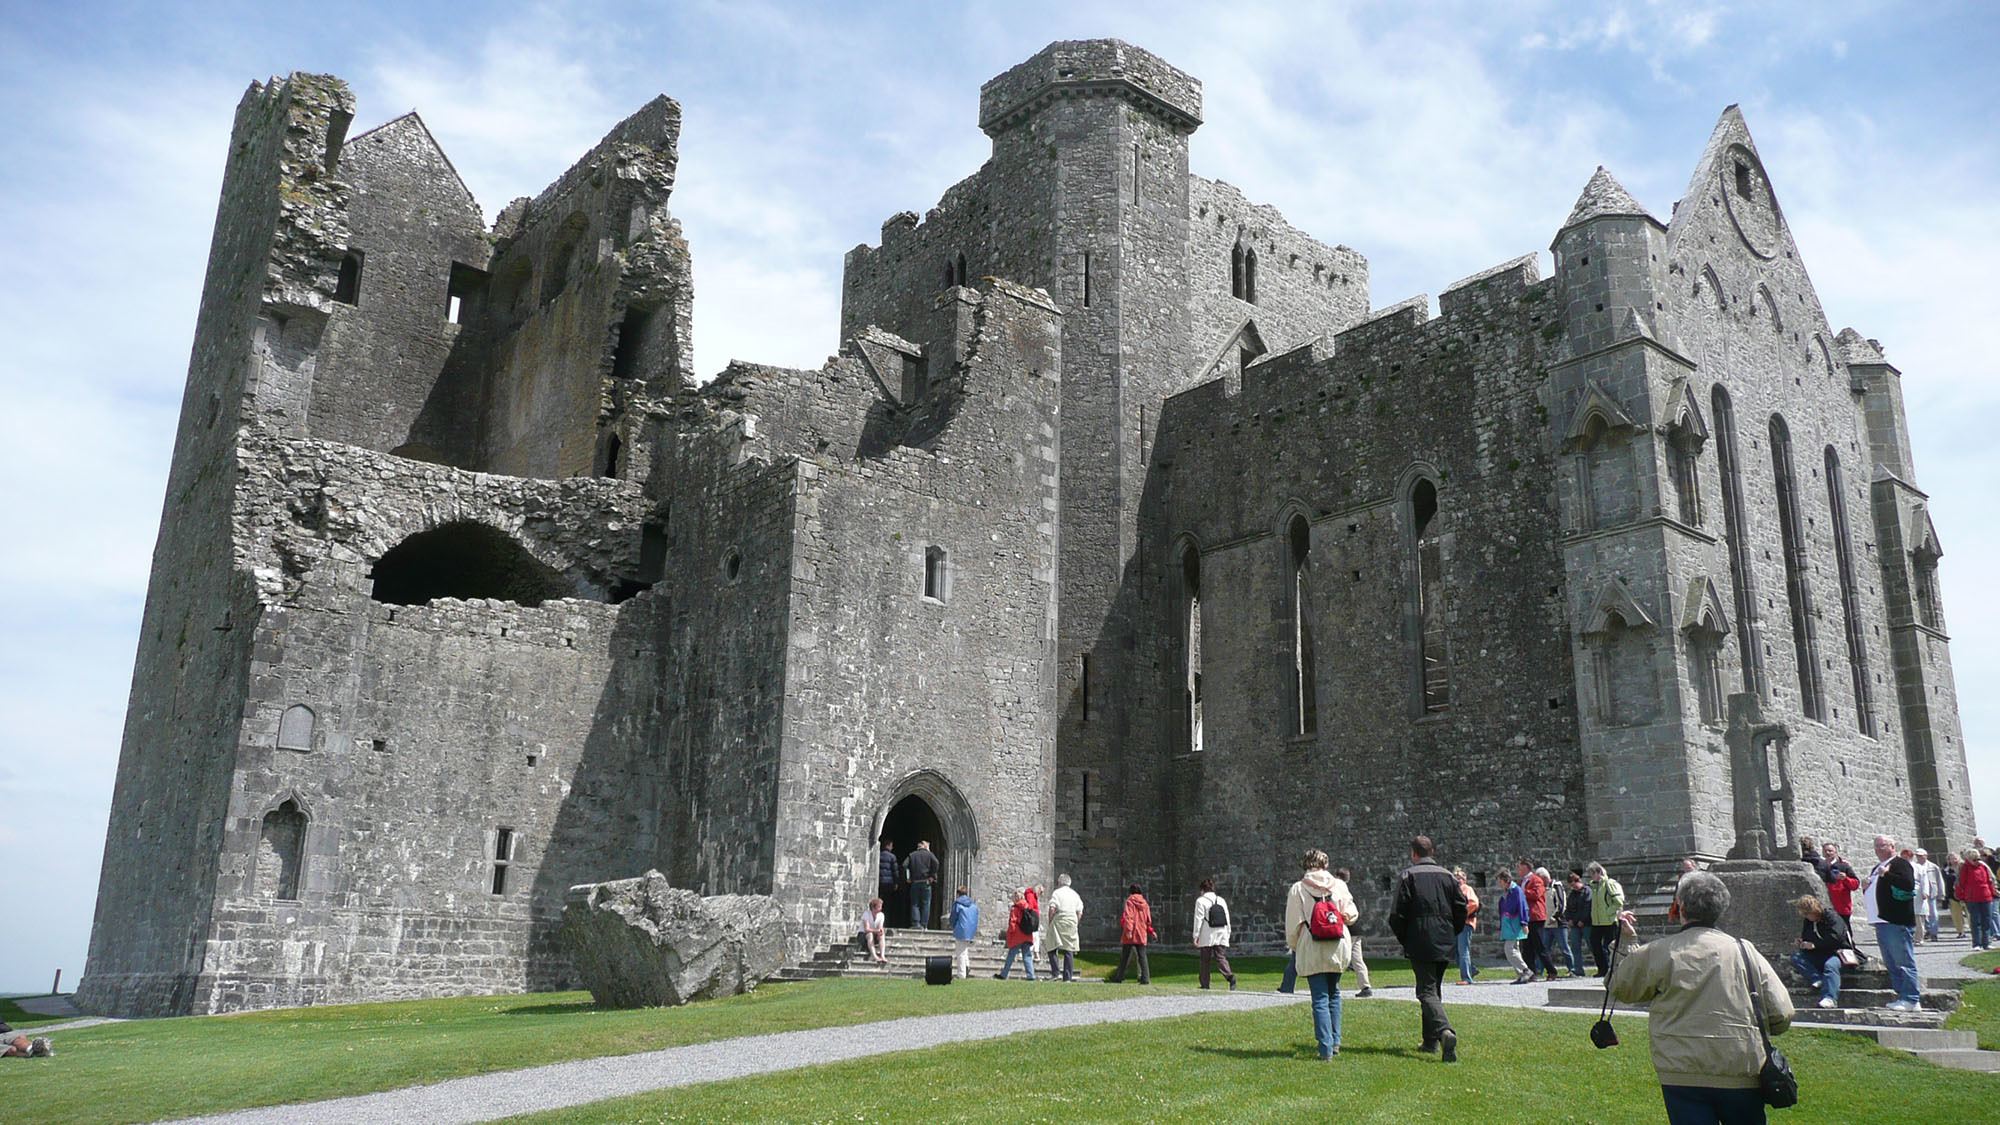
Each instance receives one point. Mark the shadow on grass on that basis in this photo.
(570, 1008)
(1253, 1052)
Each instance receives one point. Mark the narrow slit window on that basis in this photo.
(1798, 583)
(1729, 461)
(1305, 690)
(463, 289)
(503, 858)
(614, 446)
(1850, 597)
(347, 286)
(1433, 667)
(1086, 279)
(1083, 687)
(937, 577)
(1191, 646)
(1136, 192)
(628, 355)
(281, 851)
(1086, 800)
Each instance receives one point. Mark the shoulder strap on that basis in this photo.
(1756, 1003)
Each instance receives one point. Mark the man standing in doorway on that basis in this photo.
(889, 867)
(1428, 913)
(921, 870)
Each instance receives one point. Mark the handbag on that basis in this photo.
(1775, 1079)
(1850, 958)
(1602, 1034)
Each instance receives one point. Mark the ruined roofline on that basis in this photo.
(413, 115)
(662, 115)
(1084, 68)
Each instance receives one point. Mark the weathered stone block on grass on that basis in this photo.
(643, 943)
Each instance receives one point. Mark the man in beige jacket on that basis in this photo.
(1707, 1049)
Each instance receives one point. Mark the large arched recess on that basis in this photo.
(465, 559)
(926, 805)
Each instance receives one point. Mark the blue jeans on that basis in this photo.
(1573, 938)
(1982, 923)
(1704, 1105)
(1927, 917)
(920, 905)
(1825, 976)
(1289, 983)
(1899, 952)
(1027, 955)
(1465, 969)
(1326, 1011)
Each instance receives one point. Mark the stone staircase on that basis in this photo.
(1862, 994)
(907, 951)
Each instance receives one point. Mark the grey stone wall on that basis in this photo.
(411, 220)
(704, 640)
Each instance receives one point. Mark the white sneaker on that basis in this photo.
(1825, 1003)
(1900, 1006)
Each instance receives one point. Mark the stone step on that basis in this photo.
(1962, 1059)
(1935, 999)
(1918, 1039)
(1581, 994)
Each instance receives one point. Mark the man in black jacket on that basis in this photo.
(1893, 890)
(921, 871)
(1427, 915)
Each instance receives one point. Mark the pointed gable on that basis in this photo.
(1683, 413)
(1604, 196)
(1704, 609)
(1924, 536)
(1596, 404)
(409, 144)
(1614, 600)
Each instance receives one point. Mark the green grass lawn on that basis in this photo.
(1984, 962)
(1979, 1010)
(1226, 1065)
(1262, 1066)
(24, 1021)
(144, 1070)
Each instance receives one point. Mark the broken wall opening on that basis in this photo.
(465, 560)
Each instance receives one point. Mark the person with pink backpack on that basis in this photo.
(1319, 917)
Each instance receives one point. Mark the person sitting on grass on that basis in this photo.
(875, 932)
(1707, 1049)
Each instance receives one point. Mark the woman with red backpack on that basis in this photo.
(1319, 912)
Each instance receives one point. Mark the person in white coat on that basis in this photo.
(1211, 933)
(1930, 895)
(1321, 960)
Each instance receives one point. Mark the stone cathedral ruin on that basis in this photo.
(1125, 535)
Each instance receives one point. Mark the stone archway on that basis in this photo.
(926, 806)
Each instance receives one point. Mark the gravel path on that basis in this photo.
(488, 1097)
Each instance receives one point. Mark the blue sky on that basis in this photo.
(1436, 139)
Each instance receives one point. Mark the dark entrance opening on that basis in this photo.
(910, 820)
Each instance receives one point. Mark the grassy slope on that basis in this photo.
(145, 1070)
(1979, 1010)
(1261, 1066)
(25, 1022)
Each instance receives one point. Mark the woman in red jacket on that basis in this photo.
(1019, 943)
(1135, 929)
(1975, 889)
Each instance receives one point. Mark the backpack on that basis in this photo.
(1218, 915)
(1030, 920)
(1325, 922)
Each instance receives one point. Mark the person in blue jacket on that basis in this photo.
(964, 928)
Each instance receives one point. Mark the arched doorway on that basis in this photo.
(926, 807)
